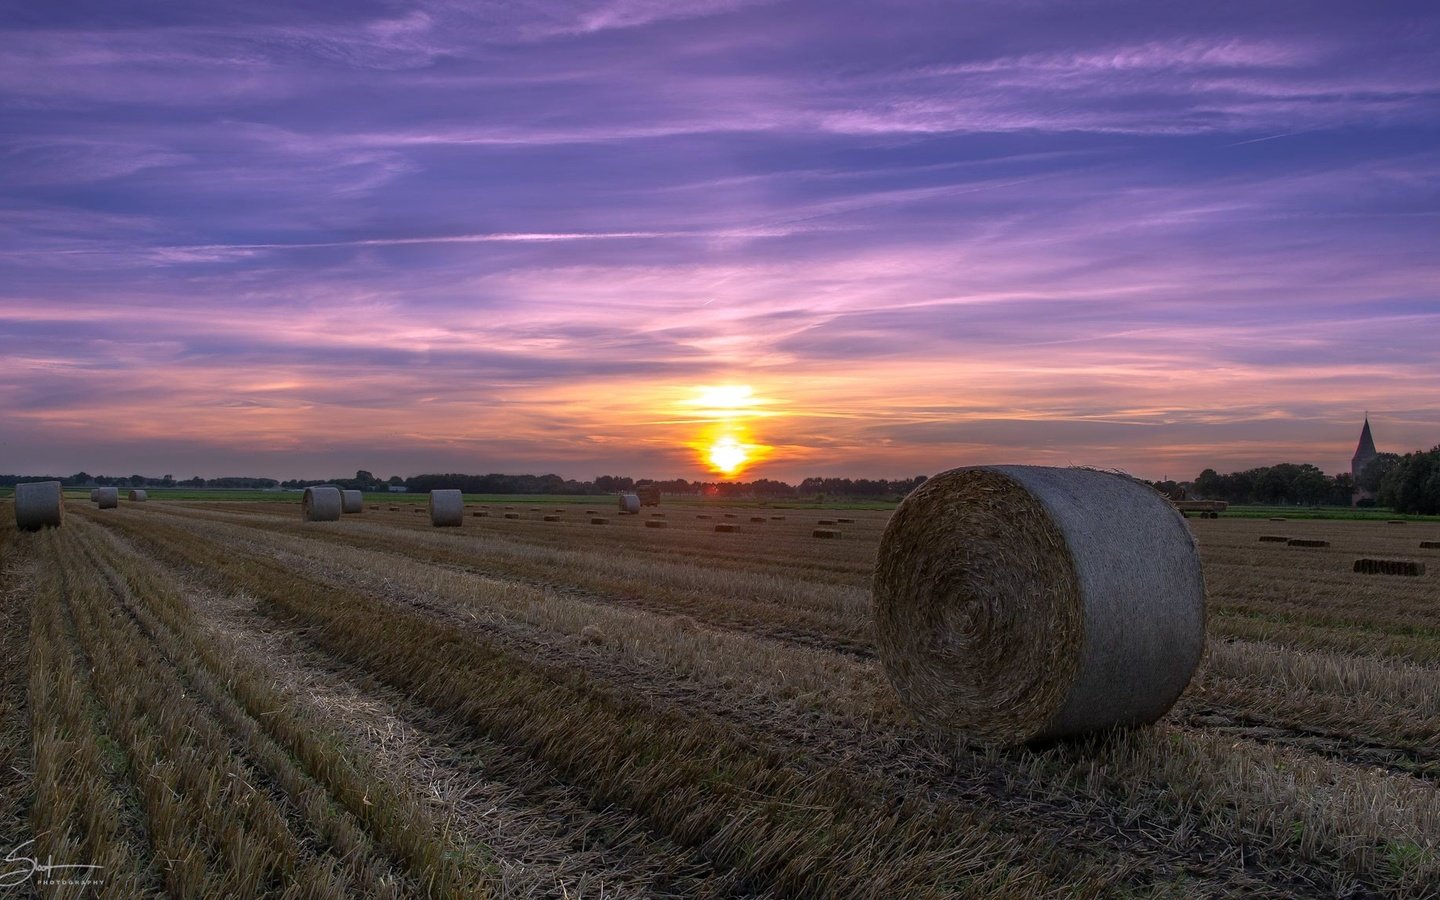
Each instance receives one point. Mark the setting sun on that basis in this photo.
(727, 455)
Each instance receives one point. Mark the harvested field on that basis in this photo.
(221, 699)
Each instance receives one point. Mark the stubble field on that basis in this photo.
(217, 699)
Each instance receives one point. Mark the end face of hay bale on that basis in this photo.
(107, 497)
(352, 502)
(655, 523)
(1306, 542)
(39, 504)
(447, 508)
(1410, 567)
(138, 496)
(322, 504)
(551, 518)
(1021, 603)
(725, 529)
(629, 503)
(1273, 539)
(828, 533)
(598, 521)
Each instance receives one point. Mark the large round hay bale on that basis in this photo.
(630, 503)
(447, 508)
(138, 496)
(39, 504)
(321, 503)
(352, 501)
(1023, 603)
(107, 498)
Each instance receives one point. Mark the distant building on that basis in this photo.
(400, 488)
(1364, 453)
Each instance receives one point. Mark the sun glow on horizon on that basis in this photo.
(727, 455)
(723, 444)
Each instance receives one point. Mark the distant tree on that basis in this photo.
(137, 480)
(1375, 471)
(1412, 485)
(396, 480)
(80, 478)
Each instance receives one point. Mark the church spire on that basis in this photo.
(1366, 449)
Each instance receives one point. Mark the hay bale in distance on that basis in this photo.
(758, 519)
(551, 518)
(352, 502)
(1273, 539)
(630, 503)
(512, 515)
(94, 494)
(1430, 545)
(321, 504)
(723, 528)
(846, 521)
(1022, 603)
(777, 518)
(702, 516)
(824, 521)
(655, 523)
(657, 515)
(1366, 566)
(39, 504)
(107, 498)
(830, 533)
(479, 514)
(1306, 542)
(599, 521)
(732, 515)
(138, 496)
(1279, 519)
(1394, 521)
(447, 508)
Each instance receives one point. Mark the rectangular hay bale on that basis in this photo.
(1367, 566)
(655, 523)
(1307, 542)
(1273, 539)
(829, 533)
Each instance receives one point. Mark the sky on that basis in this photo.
(297, 239)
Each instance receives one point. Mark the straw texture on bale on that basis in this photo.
(322, 504)
(655, 523)
(1389, 567)
(1307, 542)
(352, 502)
(1023, 603)
(107, 498)
(447, 508)
(1273, 539)
(1430, 545)
(724, 529)
(552, 518)
(599, 521)
(629, 503)
(830, 533)
(138, 497)
(39, 504)
(94, 494)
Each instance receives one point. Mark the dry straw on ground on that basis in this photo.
(321, 504)
(39, 504)
(352, 502)
(630, 503)
(138, 496)
(447, 508)
(107, 498)
(1020, 603)
(1367, 566)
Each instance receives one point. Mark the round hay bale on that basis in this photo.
(352, 502)
(107, 498)
(599, 521)
(552, 518)
(1306, 542)
(655, 523)
(725, 529)
(1024, 603)
(138, 497)
(447, 508)
(1409, 567)
(39, 504)
(630, 503)
(1273, 539)
(321, 504)
(828, 533)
